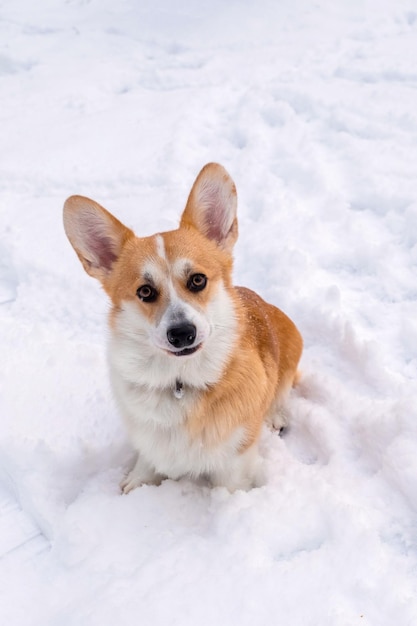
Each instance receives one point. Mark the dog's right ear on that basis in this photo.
(211, 206)
(95, 234)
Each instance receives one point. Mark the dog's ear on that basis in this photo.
(211, 206)
(95, 234)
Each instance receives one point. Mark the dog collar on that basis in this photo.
(179, 389)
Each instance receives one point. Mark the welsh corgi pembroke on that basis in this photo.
(196, 365)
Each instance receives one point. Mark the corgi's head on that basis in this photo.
(172, 302)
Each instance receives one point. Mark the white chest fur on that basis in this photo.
(156, 420)
(144, 381)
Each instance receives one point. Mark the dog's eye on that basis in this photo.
(197, 282)
(147, 293)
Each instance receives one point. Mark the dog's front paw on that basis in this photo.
(141, 474)
(278, 420)
(130, 482)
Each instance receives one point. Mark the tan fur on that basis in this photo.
(263, 368)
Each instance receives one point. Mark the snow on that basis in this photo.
(312, 108)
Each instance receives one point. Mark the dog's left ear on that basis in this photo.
(211, 206)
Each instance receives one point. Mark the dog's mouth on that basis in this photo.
(185, 351)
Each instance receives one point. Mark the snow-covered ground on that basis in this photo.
(312, 107)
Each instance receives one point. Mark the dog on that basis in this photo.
(196, 364)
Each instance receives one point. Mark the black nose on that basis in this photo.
(181, 336)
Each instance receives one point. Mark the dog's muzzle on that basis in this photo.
(182, 336)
